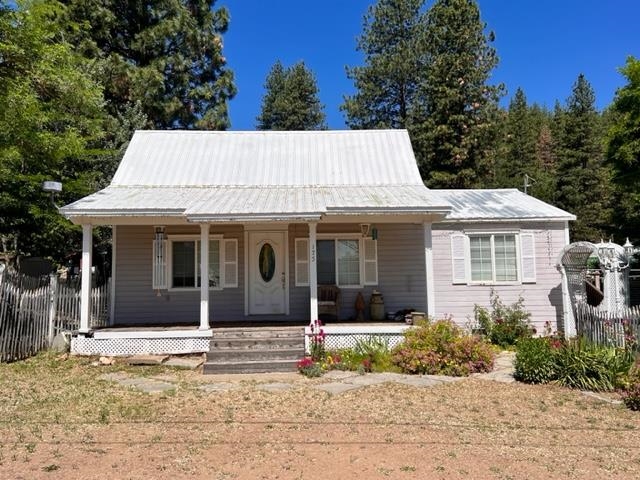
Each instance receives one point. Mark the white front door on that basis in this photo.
(267, 280)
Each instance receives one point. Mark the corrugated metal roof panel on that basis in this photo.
(312, 158)
(499, 204)
(227, 202)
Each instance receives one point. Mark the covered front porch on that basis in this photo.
(151, 312)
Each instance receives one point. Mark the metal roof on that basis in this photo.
(305, 158)
(237, 203)
(229, 176)
(498, 204)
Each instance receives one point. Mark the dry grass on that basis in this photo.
(59, 420)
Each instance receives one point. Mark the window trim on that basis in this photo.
(361, 260)
(196, 239)
(492, 234)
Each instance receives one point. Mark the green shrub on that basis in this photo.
(631, 393)
(442, 348)
(504, 325)
(535, 360)
(369, 355)
(586, 366)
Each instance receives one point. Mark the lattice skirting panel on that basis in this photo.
(337, 338)
(138, 346)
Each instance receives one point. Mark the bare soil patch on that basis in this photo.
(59, 420)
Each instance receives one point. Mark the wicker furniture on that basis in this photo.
(329, 300)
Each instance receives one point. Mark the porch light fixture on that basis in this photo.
(364, 229)
(52, 188)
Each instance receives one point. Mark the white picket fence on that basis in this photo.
(34, 310)
(620, 329)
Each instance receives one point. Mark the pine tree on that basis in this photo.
(386, 85)
(520, 144)
(583, 185)
(454, 121)
(291, 100)
(623, 151)
(165, 55)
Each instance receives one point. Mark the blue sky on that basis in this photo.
(543, 45)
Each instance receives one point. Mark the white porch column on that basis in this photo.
(313, 272)
(204, 276)
(85, 290)
(428, 268)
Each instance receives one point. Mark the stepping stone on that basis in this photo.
(368, 379)
(217, 387)
(147, 385)
(340, 374)
(444, 378)
(335, 388)
(601, 398)
(274, 387)
(113, 377)
(147, 359)
(187, 363)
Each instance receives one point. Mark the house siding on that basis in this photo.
(401, 277)
(543, 299)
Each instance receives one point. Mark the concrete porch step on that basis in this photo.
(247, 355)
(252, 366)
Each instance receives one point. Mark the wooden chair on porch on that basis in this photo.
(329, 300)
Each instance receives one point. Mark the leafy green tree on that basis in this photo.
(623, 151)
(164, 54)
(51, 119)
(291, 100)
(583, 180)
(386, 85)
(454, 121)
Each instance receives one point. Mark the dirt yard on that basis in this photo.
(60, 419)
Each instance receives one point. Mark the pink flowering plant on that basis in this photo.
(316, 341)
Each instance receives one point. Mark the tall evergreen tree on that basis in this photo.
(583, 186)
(386, 85)
(520, 144)
(623, 151)
(291, 100)
(51, 119)
(454, 122)
(164, 54)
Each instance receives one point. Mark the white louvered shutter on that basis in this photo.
(159, 279)
(230, 263)
(528, 257)
(370, 261)
(459, 258)
(302, 262)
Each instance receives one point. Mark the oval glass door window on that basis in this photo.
(267, 262)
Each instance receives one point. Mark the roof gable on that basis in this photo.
(268, 158)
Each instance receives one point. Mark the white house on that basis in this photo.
(266, 217)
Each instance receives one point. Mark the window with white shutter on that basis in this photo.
(459, 258)
(230, 270)
(302, 262)
(370, 261)
(159, 274)
(528, 257)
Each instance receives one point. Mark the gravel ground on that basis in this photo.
(60, 419)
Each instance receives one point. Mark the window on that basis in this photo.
(493, 257)
(183, 266)
(343, 261)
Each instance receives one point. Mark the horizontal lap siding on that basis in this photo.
(400, 274)
(542, 299)
(138, 303)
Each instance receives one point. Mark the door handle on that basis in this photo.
(283, 280)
